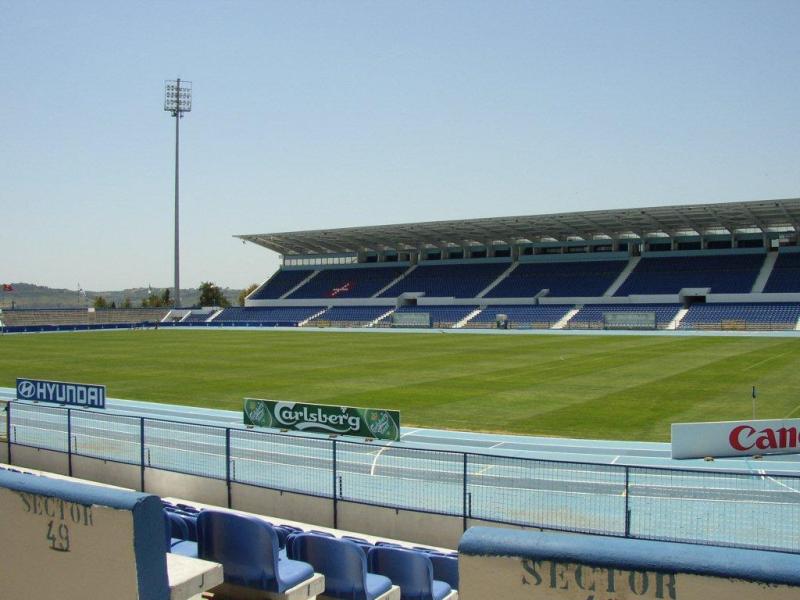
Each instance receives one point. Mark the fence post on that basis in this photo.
(627, 506)
(8, 430)
(228, 462)
(335, 501)
(141, 452)
(69, 442)
(464, 489)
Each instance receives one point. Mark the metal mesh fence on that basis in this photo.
(715, 508)
(3, 419)
(293, 464)
(185, 448)
(567, 496)
(755, 510)
(425, 480)
(111, 437)
(39, 426)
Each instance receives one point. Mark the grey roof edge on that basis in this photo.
(731, 216)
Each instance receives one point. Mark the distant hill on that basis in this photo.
(26, 295)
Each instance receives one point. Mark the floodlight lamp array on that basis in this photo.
(178, 96)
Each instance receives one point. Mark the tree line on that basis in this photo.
(210, 295)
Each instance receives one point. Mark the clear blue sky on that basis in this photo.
(330, 114)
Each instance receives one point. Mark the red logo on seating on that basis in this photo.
(340, 290)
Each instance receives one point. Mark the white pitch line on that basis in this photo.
(616, 458)
(761, 362)
(496, 445)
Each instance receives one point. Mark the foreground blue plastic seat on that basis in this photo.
(344, 565)
(178, 536)
(445, 568)
(411, 570)
(247, 548)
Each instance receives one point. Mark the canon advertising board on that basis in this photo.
(735, 438)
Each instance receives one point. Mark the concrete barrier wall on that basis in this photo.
(514, 565)
(284, 505)
(112, 473)
(71, 541)
(422, 528)
(189, 487)
(43, 460)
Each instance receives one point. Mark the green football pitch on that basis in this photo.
(603, 387)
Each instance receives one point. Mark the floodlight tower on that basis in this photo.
(177, 100)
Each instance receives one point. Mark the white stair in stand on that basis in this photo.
(312, 317)
(622, 276)
(562, 322)
(676, 321)
(500, 278)
(391, 283)
(763, 275)
(299, 285)
(381, 318)
(468, 318)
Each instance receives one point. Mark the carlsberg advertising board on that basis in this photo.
(322, 418)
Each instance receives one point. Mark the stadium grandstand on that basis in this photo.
(705, 266)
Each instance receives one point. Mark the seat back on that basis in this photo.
(176, 527)
(445, 568)
(410, 569)
(246, 547)
(342, 562)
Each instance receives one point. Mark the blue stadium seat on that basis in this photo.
(348, 283)
(247, 548)
(724, 274)
(411, 570)
(521, 315)
(785, 276)
(343, 564)
(280, 283)
(562, 278)
(178, 535)
(445, 280)
(445, 568)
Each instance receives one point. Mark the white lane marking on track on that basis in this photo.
(483, 470)
(616, 458)
(377, 456)
(788, 487)
(402, 435)
(496, 445)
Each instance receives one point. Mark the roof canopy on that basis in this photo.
(731, 217)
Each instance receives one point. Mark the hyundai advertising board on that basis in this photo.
(60, 392)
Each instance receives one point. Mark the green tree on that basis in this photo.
(156, 300)
(246, 292)
(100, 302)
(126, 303)
(212, 295)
